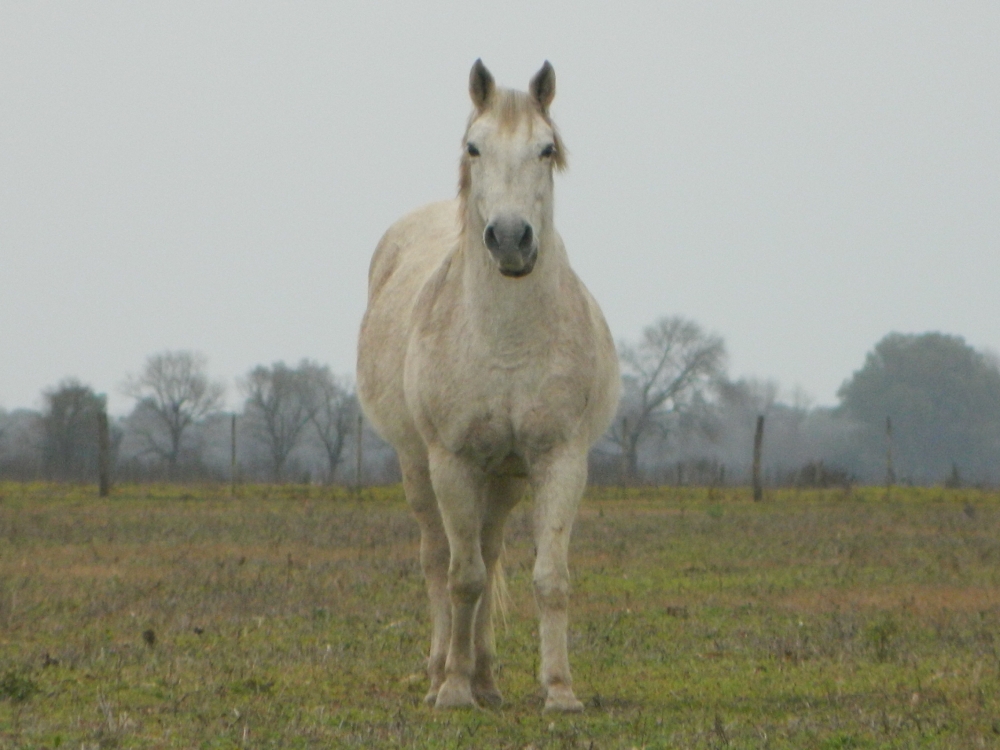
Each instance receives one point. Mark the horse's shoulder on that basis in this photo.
(383, 263)
(416, 241)
(596, 347)
(581, 307)
(428, 309)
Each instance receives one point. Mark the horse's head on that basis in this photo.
(511, 148)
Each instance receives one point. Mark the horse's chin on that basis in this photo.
(511, 274)
(527, 267)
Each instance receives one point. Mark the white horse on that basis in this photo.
(489, 367)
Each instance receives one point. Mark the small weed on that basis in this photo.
(114, 724)
(881, 636)
(252, 686)
(17, 687)
(840, 742)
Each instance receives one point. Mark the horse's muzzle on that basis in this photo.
(511, 242)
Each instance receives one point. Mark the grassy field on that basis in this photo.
(177, 617)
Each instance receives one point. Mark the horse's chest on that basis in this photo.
(506, 425)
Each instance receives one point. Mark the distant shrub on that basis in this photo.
(881, 635)
(819, 475)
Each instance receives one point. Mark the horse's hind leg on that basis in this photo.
(434, 558)
(503, 493)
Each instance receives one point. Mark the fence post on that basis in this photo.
(103, 455)
(232, 456)
(890, 472)
(758, 442)
(358, 456)
(624, 469)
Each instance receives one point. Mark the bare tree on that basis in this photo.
(333, 406)
(665, 376)
(279, 405)
(173, 392)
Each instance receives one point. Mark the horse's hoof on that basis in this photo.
(488, 697)
(434, 689)
(455, 693)
(561, 699)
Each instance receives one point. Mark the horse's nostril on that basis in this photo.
(526, 238)
(490, 238)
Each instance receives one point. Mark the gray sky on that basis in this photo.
(801, 178)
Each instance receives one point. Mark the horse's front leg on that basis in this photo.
(459, 488)
(558, 486)
(502, 494)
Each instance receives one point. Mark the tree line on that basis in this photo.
(297, 423)
(922, 409)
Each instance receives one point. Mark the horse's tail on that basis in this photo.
(500, 599)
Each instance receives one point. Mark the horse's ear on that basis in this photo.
(480, 85)
(543, 86)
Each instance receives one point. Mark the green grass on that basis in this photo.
(296, 617)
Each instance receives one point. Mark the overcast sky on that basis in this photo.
(800, 178)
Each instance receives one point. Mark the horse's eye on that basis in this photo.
(548, 151)
(471, 148)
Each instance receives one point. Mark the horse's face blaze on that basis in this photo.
(510, 188)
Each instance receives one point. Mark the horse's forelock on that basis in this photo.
(512, 107)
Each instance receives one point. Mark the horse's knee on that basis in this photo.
(467, 581)
(551, 590)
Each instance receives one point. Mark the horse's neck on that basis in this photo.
(512, 315)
